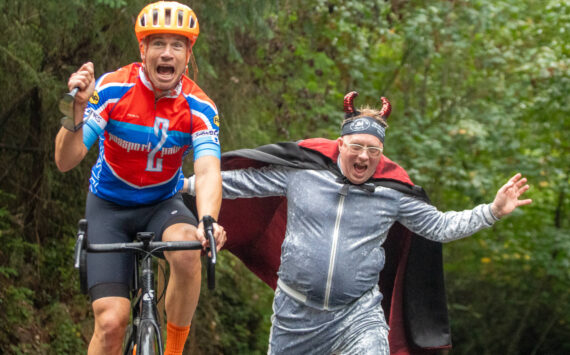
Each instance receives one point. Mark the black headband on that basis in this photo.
(364, 125)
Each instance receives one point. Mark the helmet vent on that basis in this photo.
(192, 22)
(180, 18)
(143, 20)
(155, 17)
(167, 17)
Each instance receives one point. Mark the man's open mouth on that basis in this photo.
(360, 168)
(165, 70)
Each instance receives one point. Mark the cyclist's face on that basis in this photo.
(165, 57)
(358, 167)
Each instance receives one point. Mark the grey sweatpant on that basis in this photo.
(359, 328)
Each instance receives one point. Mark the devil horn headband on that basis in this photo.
(350, 111)
(386, 108)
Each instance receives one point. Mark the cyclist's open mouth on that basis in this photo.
(165, 71)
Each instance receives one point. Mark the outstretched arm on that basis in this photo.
(507, 199)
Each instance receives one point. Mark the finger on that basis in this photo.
(524, 202)
(521, 182)
(507, 186)
(87, 68)
(220, 238)
(516, 177)
(200, 236)
(524, 189)
(80, 80)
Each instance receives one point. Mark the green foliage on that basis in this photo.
(479, 92)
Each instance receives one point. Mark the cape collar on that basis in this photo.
(387, 169)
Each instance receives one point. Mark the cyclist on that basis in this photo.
(327, 299)
(147, 116)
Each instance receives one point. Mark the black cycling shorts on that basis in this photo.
(110, 274)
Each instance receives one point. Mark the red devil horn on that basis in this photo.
(349, 109)
(386, 108)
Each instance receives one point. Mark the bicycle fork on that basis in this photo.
(148, 325)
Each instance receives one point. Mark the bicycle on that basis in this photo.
(143, 335)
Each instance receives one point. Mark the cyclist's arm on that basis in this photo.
(208, 186)
(69, 147)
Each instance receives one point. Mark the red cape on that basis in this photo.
(412, 280)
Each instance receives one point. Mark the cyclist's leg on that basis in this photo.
(108, 275)
(111, 318)
(172, 221)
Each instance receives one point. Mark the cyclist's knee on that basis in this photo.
(179, 231)
(111, 318)
(187, 261)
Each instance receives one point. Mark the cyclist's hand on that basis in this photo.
(219, 236)
(84, 79)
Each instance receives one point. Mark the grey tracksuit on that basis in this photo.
(332, 254)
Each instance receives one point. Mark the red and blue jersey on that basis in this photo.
(142, 141)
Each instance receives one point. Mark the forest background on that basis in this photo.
(479, 91)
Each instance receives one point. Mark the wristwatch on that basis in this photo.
(70, 125)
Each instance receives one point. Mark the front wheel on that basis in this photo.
(148, 344)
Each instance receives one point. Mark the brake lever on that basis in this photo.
(209, 228)
(80, 242)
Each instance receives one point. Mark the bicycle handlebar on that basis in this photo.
(146, 244)
(150, 247)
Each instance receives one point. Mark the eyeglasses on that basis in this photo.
(358, 148)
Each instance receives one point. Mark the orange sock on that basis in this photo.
(175, 338)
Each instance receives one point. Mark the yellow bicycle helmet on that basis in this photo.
(167, 17)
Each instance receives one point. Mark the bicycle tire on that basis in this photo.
(148, 342)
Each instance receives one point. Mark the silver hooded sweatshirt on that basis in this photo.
(332, 253)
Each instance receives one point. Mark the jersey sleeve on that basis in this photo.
(109, 88)
(95, 115)
(205, 126)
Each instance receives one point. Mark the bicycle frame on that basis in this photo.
(144, 327)
(144, 307)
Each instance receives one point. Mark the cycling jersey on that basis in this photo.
(142, 140)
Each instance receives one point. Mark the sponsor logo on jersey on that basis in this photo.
(94, 99)
(217, 120)
(204, 133)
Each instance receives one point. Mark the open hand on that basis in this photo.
(507, 199)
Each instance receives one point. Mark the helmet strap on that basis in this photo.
(194, 65)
